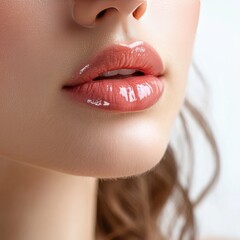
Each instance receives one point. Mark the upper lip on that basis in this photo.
(138, 55)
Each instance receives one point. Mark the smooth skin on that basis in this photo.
(53, 150)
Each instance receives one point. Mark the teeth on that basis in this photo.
(119, 71)
(110, 73)
(127, 71)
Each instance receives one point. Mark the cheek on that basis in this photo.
(171, 25)
(13, 17)
(184, 24)
(175, 21)
(13, 35)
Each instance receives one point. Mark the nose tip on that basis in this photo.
(88, 13)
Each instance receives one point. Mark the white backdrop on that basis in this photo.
(217, 53)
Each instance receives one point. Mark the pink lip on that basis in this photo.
(128, 94)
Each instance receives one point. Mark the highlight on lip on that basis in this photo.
(130, 94)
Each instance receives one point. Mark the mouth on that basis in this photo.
(120, 78)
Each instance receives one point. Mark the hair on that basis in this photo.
(136, 208)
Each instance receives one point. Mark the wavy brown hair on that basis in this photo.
(156, 205)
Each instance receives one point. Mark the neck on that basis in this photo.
(40, 204)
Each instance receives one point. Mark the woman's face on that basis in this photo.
(43, 42)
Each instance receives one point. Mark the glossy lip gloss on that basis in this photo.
(132, 93)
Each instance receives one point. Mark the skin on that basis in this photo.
(53, 150)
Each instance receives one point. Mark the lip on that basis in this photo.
(127, 94)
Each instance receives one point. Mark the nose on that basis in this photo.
(88, 13)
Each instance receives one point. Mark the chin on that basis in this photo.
(118, 163)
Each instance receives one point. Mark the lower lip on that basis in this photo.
(121, 95)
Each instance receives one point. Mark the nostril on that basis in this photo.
(140, 11)
(105, 12)
(101, 14)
